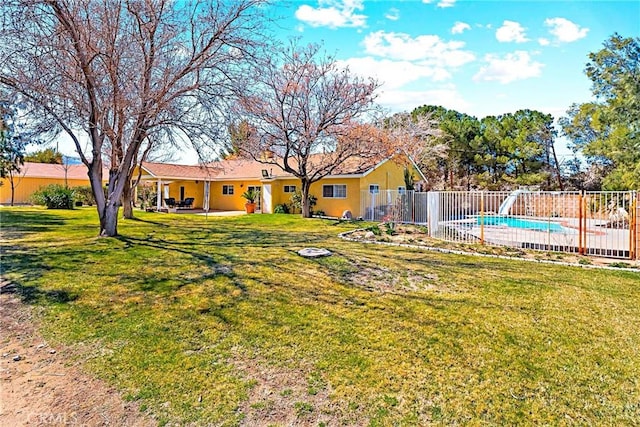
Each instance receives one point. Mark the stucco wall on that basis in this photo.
(235, 202)
(25, 187)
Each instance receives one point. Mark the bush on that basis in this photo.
(296, 201)
(54, 196)
(147, 196)
(281, 209)
(84, 195)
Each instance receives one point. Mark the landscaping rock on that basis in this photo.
(369, 235)
(17, 358)
(313, 252)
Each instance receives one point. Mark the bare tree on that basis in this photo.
(126, 73)
(307, 114)
(420, 138)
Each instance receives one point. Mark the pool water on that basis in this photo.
(526, 224)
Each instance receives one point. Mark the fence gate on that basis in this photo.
(588, 223)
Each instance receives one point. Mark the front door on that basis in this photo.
(259, 198)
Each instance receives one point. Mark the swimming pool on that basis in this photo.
(526, 224)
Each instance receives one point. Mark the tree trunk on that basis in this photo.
(127, 201)
(555, 160)
(13, 190)
(109, 220)
(304, 192)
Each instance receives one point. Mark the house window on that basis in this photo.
(337, 191)
(374, 188)
(401, 189)
(227, 190)
(289, 188)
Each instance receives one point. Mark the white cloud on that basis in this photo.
(514, 66)
(392, 14)
(511, 31)
(565, 30)
(446, 3)
(333, 14)
(430, 49)
(406, 100)
(441, 3)
(394, 74)
(459, 27)
(543, 42)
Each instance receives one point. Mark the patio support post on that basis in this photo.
(159, 195)
(634, 224)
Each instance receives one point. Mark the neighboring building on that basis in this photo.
(226, 181)
(33, 176)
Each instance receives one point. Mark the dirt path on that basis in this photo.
(40, 386)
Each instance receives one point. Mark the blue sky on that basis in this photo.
(478, 57)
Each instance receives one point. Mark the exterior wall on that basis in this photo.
(336, 206)
(193, 189)
(235, 202)
(25, 187)
(389, 176)
(279, 197)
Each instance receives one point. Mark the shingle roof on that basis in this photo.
(168, 170)
(234, 169)
(48, 170)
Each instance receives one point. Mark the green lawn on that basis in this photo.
(219, 321)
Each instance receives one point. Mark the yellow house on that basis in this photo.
(220, 185)
(33, 176)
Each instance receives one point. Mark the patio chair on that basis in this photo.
(170, 202)
(186, 203)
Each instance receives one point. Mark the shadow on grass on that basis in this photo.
(15, 224)
(33, 294)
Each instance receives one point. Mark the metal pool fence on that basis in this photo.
(588, 223)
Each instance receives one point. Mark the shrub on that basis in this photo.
(374, 229)
(147, 196)
(296, 201)
(281, 209)
(84, 195)
(54, 196)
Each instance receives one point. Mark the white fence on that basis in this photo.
(589, 223)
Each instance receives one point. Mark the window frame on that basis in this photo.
(333, 191)
(373, 190)
(228, 187)
(289, 187)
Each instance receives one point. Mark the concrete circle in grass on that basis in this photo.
(313, 252)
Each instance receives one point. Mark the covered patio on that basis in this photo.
(179, 188)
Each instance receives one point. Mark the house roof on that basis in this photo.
(245, 169)
(241, 168)
(168, 170)
(55, 171)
